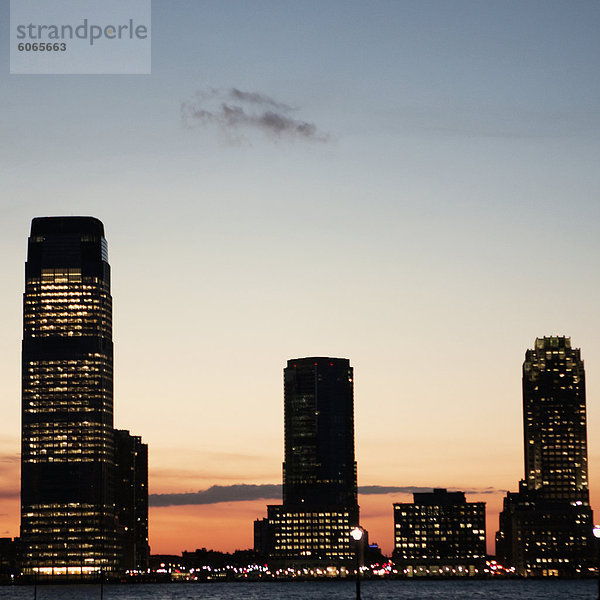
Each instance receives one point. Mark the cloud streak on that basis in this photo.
(237, 112)
(246, 492)
(219, 493)
(411, 489)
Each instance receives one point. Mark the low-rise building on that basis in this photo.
(440, 533)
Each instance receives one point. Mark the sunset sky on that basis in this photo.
(412, 185)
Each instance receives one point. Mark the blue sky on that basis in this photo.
(450, 217)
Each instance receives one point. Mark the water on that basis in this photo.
(320, 590)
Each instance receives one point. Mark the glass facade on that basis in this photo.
(68, 520)
(319, 467)
(320, 505)
(554, 416)
(546, 527)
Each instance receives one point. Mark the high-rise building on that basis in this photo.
(440, 533)
(320, 504)
(69, 515)
(131, 496)
(546, 527)
(554, 419)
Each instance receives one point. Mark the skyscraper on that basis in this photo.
(131, 496)
(554, 418)
(546, 527)
(68, 521)
(319, 472)
(319, 467)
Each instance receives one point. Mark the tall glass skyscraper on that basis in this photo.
(319, 473)
(319, 468)
(554, 417)
(546, 527)
(68, 516)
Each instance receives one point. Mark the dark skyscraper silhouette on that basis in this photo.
(546, 528)
(319, 468)
(68, 513)
(319, 473)
(131, 495)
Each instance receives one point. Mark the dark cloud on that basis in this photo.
(236, 111)
(488, 490)
(9, 494)
(243, 492)
(256, 98)
(219, 493)
(391, 489)
(410, 489)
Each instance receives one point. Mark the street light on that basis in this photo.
(596, 531)
(357, 534)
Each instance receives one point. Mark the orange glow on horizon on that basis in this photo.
(229, 526)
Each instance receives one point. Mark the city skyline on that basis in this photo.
(299, 376)
(440, 216)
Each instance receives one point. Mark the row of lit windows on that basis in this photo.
(59, 372)
(54, 407)
(73, 364)
(93, 397)
(310, 516)
(299, 547)
(61, 510)
(36, 459)
(53, 430)
(82, 390)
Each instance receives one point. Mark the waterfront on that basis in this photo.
(321, 590)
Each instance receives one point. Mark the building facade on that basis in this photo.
(67, 507)
(546, 527)
(131, 498)
(69, 516)
(554, 420)
(440, 533)
(320, 504)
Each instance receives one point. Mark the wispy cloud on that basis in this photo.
(235, 112)
(244, 492)
(256, 98)
(10, 458)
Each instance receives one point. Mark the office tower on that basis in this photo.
(131, 496)
(546, 527)
(67, 445)
(319, 467)
(554, 418)
(319, 472)
(440, 533)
